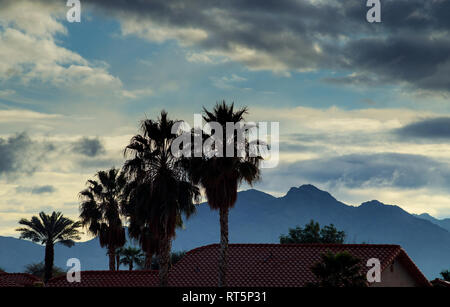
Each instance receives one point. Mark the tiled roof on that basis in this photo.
(109, 279)
(18, 280)
(252, 265)
(276, 265)
(440, 283)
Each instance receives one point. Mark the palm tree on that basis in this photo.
(100, 210)
(38, 270)
(221, 176)
(338, 270)
(50, 230)
(159, 193)
(129, 256)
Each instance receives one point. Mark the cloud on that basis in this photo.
(279, 36)
(432, 128)
(99, 163)
(20, 154)
(226, 82)
(301, 36)
(30, 51)
(90, 147)
(43, 189)
(382, 170)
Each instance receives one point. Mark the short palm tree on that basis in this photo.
(338, 270)
(129, 256)
(160, 192)
(100, 210)
(221, 176)
(50, 230)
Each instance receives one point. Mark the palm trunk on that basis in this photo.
(223, 256)
(49, 255)
(164, 260)
(117, 262)
(112, 259)
(131, 266)
(148, 262)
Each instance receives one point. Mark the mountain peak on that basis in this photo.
(309, 192)
(426, 215)
(305, 188)
(373, 203)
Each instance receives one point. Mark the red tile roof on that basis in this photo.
(249, 265)
(18, 280)
(276, 265)
(440, 283)
(109, 279)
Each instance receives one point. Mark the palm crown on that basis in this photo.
(100, 210)
(50, 229)
(158, 193)
(221, 176)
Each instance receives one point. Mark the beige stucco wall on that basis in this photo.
(395, 275)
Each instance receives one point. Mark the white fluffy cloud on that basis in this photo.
(31, 52)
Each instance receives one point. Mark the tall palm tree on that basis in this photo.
(160, 191)
(100, 210)
(50, 230)
(221, 176)
(129, 256)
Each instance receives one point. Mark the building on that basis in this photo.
(259, 265)
(19, 280)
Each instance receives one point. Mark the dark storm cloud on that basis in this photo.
(90, 147)
(12, 151)
(43, 189)
(98, 163)
(368, 171)
(408, 46)
(433, 128)
(20, 154)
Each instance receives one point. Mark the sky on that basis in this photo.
(364, 108)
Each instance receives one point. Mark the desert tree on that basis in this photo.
(100, 210)
(50, 230)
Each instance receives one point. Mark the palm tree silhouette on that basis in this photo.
(129, 256)
(100, 210)
(159, 192)
(338, 270)
(50, 230)
(221, 176)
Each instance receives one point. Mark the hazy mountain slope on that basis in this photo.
(444, 223)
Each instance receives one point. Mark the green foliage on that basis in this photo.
(220, 176)
(158, 192)
(38, 270)
(338, 270)
(50, 229)
(445, 275)
(100, 208)
(312, 233)
(174, 258)
(130, 256)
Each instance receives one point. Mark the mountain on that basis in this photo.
(444, 223)
(259, 217)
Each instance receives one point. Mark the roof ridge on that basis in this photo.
(415, 268)
(105, 272)
(293, 245)
(21, 274)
